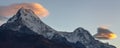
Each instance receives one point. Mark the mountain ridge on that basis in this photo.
(26, 22)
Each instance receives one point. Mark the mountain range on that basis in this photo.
(26, 30)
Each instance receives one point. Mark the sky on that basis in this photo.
(67, 15)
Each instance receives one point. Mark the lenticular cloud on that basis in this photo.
(105, 34)
(10, 10)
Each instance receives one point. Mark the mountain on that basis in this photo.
(26, 30)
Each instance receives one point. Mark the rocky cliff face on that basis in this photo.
(26, 30)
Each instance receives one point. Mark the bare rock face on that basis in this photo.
(26, 30)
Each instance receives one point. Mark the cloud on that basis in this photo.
(10, 10)
(104, 33)
(2, 18)
(105, 26)
(2, 22)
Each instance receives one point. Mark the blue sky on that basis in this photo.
(67, 15)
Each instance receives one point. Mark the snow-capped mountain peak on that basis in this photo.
(78, 35)
(79, 30)
(27, 18)
(23, 14)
